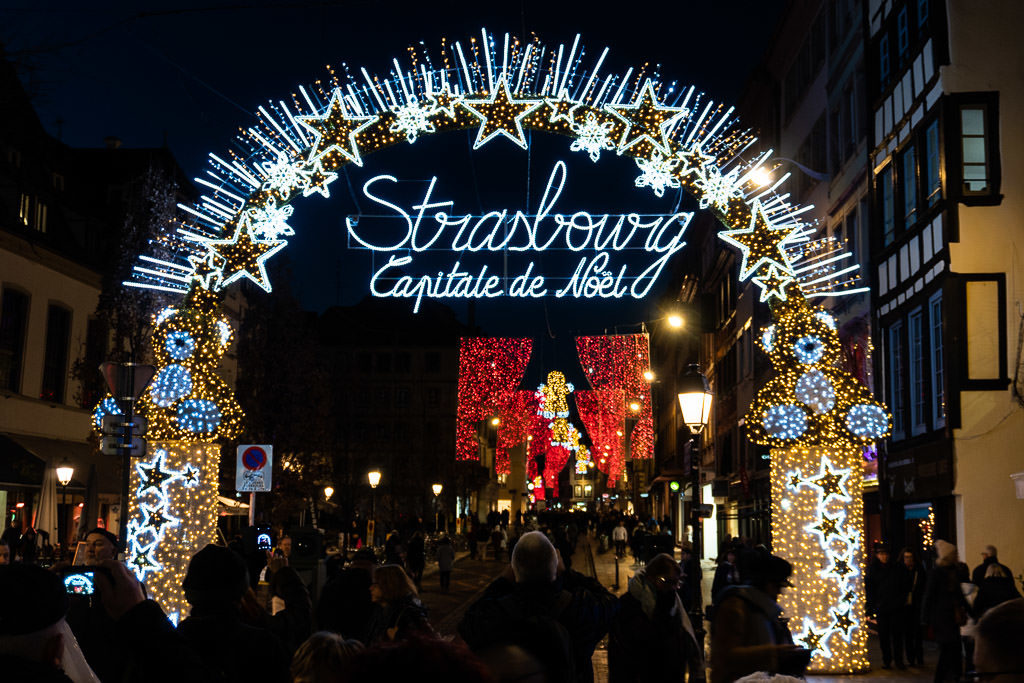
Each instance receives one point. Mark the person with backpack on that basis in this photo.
(651, 638)
(554, 615)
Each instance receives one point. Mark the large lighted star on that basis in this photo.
(245, 256)
(645, 119)
(153, 475)
(827, 527)
(141, 559)
(840, 569)
(336, 130)
(157, 518)
(773, 284)
(501, 115)
(843, 622)
(831, 481)
(205, 271)
(760, 244)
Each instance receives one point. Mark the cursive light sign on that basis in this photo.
(432, 224)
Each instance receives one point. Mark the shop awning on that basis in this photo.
(18, 466)
(41, 450)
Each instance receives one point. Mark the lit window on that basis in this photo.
(922, 12)
(975, 152)
(25, 208)
(888, 207)
(40, 222)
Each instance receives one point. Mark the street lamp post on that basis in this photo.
(64, 473)
(373, 476)
(695, 400)
(436, 488)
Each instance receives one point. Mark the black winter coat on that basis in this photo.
(886, 587)
(647, 649)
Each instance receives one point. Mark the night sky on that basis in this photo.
(191, 77)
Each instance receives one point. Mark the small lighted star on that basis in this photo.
(501, 115)
(773, 284)
(827, 526)
(645, 119)
(318, 181)
(795, 481)
(843, 621)
(693, 160)
(849, 596)
(812, 639)
(336, 130)
(443, 102)
(205, 270)
(157, 518)
(830, 481)
(760, 244)
(153, 474)
(245, 256)
(561, 108)
(191, 475)
(142, 559)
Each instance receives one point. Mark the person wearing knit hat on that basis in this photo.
(944, 609)
(100, 545)
(219, 627)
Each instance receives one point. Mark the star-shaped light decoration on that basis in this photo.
(693, 160)
(773, 284)
(191, 476)
(811, 639)
(141, 559)
(795, 480)
(645, 119)
(843, 622)
(443, 102)
(831, 481)
(152, 475)
(840, 568)
(501, 115)
(318, 180)
(827, 527)
(561, 108)
(849, 596)
(244, 255)
(335, 130)
(205, 271)
(157, 518)
(760, 244)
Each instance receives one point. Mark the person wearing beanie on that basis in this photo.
(945, 610)
(226, 627)
(90, 623)
(100, 545)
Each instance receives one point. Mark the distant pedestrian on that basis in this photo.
(915, 579)
(726, 572)
(996, 588)
(445, 562)
(472, 542)
(619, 536)
(345, 606)
(989, 556)
(944, 610)
(400, 613)
(417, 558)
(651, 638)
(886, 601)
(394, 552)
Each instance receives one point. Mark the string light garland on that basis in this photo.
(490, 369)
(817, 418)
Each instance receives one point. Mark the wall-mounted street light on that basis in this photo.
(328, 492)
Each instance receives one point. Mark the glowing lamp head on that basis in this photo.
(374, 478)
(761, 177)
(64, 473)
(695, 399)
(676, 321)
(328, 492)
(495, 421)
(634, 406)
(436, 488)
(529, 437)
(674, 486)
(648, 376)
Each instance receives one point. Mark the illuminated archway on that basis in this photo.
(813, 414)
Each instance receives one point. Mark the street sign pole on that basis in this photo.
(252, 508)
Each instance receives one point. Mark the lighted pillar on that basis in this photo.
(172, 515)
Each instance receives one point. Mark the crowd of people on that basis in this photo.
(539, 620)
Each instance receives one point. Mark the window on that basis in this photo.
(14, 157)
(975, 154)
(55, 361)
(888, 207)
(401, 398)
(25, 209)
(13, 324)
(909, 183)
(403, 361)
(896, 388)
(433, 397)
(922, 12)
(58, 181)
(432, 362)
(883, 61)
(382, 363)
(932, 182)
(902, 34)
(915, 340)
(938, 378)
(40, 222)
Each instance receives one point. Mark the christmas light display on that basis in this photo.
(172, 513)
(563, 438)
(817, 418)
(618, 362)
(603, 414)
(518, 415)
(490, 369)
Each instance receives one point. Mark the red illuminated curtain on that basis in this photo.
(490, 369)
(603, 413)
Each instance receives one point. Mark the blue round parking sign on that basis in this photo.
(254, 458)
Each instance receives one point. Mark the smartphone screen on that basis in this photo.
(80, 583)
